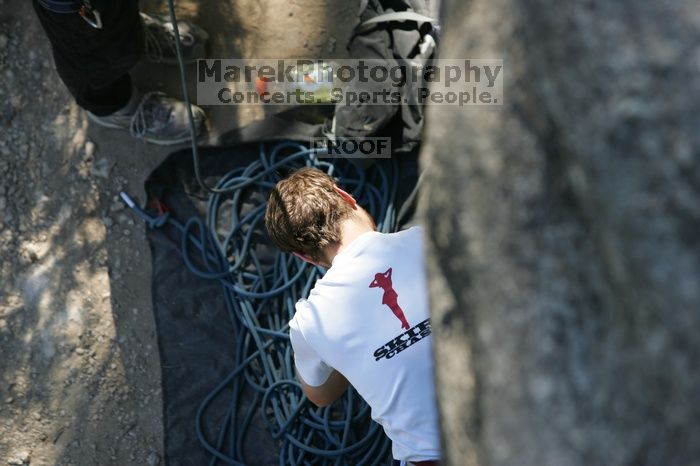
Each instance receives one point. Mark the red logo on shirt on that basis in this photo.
(390, 298)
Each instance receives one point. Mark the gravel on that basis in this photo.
(58, 329)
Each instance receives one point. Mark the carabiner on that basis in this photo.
(90, 15)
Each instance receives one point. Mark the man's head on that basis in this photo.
(305, 212)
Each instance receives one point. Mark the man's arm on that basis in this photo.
(329, 384)
(325, 394)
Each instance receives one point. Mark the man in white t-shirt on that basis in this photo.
(366, 321)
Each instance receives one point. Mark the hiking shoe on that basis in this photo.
(160, 39)
(157, 118)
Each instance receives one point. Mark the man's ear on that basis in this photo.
(345, 195)
(306, 258)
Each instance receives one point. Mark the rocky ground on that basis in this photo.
(79, 365)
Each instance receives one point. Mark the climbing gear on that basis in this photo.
(84, 8)
(260, 289)
(90, 15)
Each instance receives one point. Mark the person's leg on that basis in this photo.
(94, 63)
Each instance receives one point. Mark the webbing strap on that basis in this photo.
(61, 6)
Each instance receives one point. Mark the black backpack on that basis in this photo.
(399, 33)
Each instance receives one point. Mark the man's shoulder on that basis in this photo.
(302, 307)
(415, 231)
(303, 316)
(352, 272)
(412, 236)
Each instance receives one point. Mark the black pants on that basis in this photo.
(94, 63)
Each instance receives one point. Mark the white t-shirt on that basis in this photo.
(367, 318)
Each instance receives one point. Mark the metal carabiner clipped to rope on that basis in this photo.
(90, 14)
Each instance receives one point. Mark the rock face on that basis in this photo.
(563, 233)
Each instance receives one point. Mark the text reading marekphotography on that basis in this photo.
(458, 82)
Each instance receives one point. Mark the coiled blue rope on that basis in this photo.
(260, 287)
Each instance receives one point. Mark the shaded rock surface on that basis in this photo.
(564, 236)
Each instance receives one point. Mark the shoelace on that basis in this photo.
(149, 111)
(157, 33)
